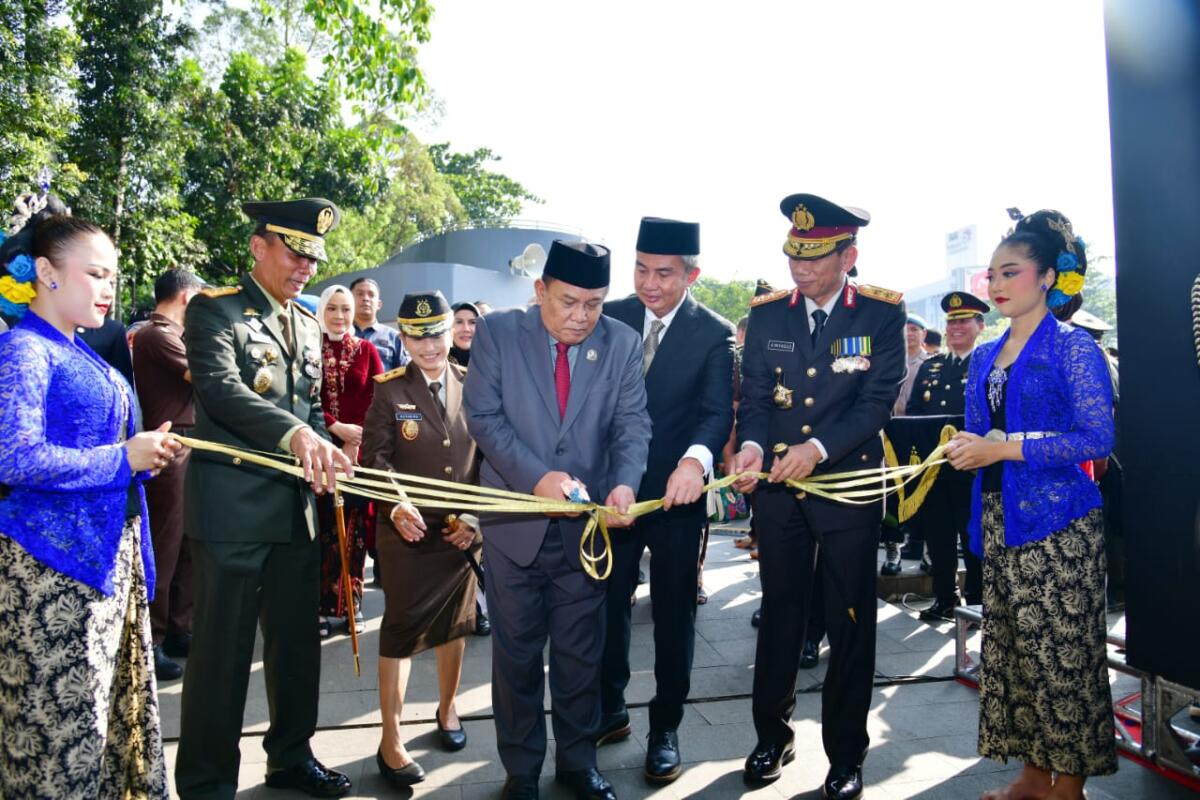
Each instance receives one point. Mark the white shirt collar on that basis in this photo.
(665, 319)
(440, 379)
(810, 305)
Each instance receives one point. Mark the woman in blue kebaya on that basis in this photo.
(78, 707)
(1038, 404)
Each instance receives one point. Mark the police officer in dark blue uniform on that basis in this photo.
(822, 367)
(939, 389)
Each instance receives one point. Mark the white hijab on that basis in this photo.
(326, 296)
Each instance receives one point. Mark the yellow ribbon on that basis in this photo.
(858, 487)
(910, 503)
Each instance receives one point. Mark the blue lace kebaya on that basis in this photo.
(1058, 384)
(63, 415)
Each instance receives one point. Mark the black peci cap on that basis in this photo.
(578, 263)
(668, 237)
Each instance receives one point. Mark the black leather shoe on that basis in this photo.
(483, 626)
(164, 668)
(756, 618)
(766, 763)
(411, 773)
(663, 764)
(177, 645)
(810, 655)
(940, 611)
(520, 787)
(587, 784)
(613, 728)
(310, 777)
(843, 783)
(452, 740)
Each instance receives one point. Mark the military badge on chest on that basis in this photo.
(312, 364)
(850, 354)
(781, 394)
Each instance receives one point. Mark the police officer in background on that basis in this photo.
(940, 389)
(822, 367)
(255, 359)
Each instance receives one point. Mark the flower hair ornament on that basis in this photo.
(1067, 266)
(18, 285)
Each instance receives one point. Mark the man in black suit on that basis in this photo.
(688, 359)
(822, 366)
(938, 390)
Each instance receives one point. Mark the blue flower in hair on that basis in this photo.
(11, 309)
(22, 268)
(1067, 262)
(1055, 299)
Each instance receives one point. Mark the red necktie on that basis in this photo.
(562, 378)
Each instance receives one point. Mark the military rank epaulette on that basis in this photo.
(384, 377)
(306, 312)
(769, 298)
(877, 293)
(220, 291)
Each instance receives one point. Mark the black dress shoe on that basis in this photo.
(843, 783)
(310, 777)
(765, 764)
(756, 618)
(164, 668)
(483, 625)
(940, 611)
(586, 784)
(520, 787)
(411, 773)
(177, 645)
(614, 727)
(452, 740)
(810, 655)
(663, 764)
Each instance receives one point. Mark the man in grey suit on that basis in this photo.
(554, 395)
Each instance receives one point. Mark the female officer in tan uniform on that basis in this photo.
(416, 425)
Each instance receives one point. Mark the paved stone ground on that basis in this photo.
(923, 729)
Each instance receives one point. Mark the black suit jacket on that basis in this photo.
(109, 342)
(689, 393)
(845, 410)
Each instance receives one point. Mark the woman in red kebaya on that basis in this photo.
(348, 365)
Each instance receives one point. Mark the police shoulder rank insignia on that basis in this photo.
(877, 293)
(306, 312)
(769, 298)
(220, 291)
(383, 377)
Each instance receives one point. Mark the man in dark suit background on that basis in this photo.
(554, 396)
(688, 359)
(822, 366)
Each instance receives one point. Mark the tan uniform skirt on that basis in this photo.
(428, 590)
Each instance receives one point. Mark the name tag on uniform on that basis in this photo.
(781, 347)
(413, 415)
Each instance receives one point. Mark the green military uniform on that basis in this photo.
(257, 375)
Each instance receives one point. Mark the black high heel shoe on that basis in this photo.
(452, 741)
(411, 773)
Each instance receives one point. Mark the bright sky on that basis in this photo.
(931, 115)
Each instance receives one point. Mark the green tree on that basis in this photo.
(126, 138)
(268, 131)
(36, 110)
(487, 197)
(730, 299)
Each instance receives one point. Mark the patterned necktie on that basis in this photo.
(285, 322)
(650, 346)
(562, 378)
(819, 317)
(435, 389)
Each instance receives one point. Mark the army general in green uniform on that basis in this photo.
(255, 361)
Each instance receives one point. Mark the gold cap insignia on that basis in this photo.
(423, 308)
(955, 301)
(324, 220)
(802, 218)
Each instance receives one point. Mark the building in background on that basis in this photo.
(964, 273)
(498, 265)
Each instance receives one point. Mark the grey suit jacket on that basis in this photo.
(512, 413)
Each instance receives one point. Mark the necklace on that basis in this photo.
(995, 387)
